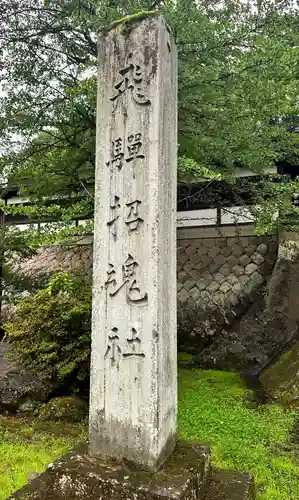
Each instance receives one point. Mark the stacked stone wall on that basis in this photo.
(222, 270)
(214, 274)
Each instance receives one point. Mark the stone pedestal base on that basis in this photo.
(78, 476)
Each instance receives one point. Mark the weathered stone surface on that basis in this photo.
(202, 250)
(250, 249)
(230, 485)
(189, 284)
(209, 242)
(214, 251)
(206, 296)
(229, 274)
(133, 362)
(199, 266)
(233, 298)
(243, 280)
(195, 258)
(232, 241)
(18, 386)
(202, 284)
(58, 258)
(244, 260)
(238, 271)
(225, 269)
(262, 333)
(262, 249)
(207, 276)
(257, 258)
(213, 287)
(183, 276)
(219, 298)
(237, 288)
(188, 266)
(183, 295)
(219, 259)
(225, 287)
(214, 268)
(237, 250)
(206, 260)
(257, 278)
(226, 252)
(281, 379)
(232, 261)
(194, 293)
(250, 269)
(232, 279)
(76, 475)
(183, 258)
(195, 274)
(190, 250)
(219, 278)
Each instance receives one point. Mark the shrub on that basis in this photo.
(50, 332)
(70, 409)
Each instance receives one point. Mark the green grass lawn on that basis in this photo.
(27, 447)
(213, 408)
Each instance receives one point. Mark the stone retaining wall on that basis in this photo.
(48, 260)
(222, 270)
(215, 272)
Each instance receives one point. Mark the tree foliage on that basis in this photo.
(238, 87)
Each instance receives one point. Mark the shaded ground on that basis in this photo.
(27, 447)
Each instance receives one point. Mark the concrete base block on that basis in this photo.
(78, 476)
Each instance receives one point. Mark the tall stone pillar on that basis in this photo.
(133, 398)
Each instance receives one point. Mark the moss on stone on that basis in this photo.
(71, 409)
(128, 21)
(281, 379)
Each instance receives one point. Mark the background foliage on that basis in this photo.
(51, 333)
(238, 87)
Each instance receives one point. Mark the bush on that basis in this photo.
(70, 409)
(50, 332)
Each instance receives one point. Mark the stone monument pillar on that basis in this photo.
(133, 398)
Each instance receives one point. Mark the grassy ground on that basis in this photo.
(27, 447)
(214, 408)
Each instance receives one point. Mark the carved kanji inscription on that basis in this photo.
(132, 216)
(117, 154)
(133, 219)
(131, 79)
(117, 150)
(134, 343)
(128, 280)
(115, 212)
(126, 348)
(113, 351)
(134, 147)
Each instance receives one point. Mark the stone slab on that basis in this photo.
(230, 485)
(133, 389)
(77, 475)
